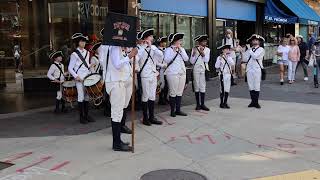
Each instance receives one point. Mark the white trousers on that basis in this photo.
(82, 95)
(292, 66)
(226, 82)
(176, 84)
(149, 88)
(254, 79)
(199, 82)
(120, 94)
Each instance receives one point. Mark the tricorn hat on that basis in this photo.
(177, 36)
(95, 46)
(224, 47)
(55, 54)
(162, 39)
(255, 36)
(146, 33)
(201, 38)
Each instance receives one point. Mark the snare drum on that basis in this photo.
(93, 85)
(69, 91)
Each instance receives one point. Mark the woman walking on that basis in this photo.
(294, 57)
(283, 53)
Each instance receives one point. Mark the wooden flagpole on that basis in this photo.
(133, 100)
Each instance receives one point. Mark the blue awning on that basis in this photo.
(273, 14)
(305, 13)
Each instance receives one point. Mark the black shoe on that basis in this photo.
(257, 106)
(226, 106)
(197, 95)
(122, 148)
(126, 130)
(173, 114)
(178, 106)
(252, 99)
(281, 83)
(198, 108)
(146, 122)
(316, 86)
(180, 113)
(172, 106)
(152, 119)
(155, 121)
(251, 105)
(221, 106)
(205, 108)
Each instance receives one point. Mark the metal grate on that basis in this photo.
(172, 174)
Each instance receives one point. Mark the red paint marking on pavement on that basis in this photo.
(291, 140)
(200, 138)
(59, 166)
(260, 155)
(34, 164)
(287, 151)
(312, 137)
(189, 138)
(202, 112)
(288, 146)
(18, 156)
(166, 120)
(172, 139)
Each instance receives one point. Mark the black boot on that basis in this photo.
(225, 101)
(178, 107)
(145, 120)
(252, 99)
(117, 144)
(152, 119)
(197, 94)
(86, 112)
(124, 128)
(63, 106)
(162, 100)
(107, 106)
(56, 110)
(315, 80)
(221, 100)
(256, 99)
(81, 113)
(233, 83)
(172, 106)
(203, 106)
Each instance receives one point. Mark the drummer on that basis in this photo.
(79, 67)
(96, 68)
(56, 75)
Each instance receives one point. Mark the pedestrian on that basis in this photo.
(223, 64)
(148, 62)
(175, 56)
(229, 40)
(311, 40)
(117, 73)
(304, 55)
(294, 58)
(164, 89)
(254, 68)
(17, 55)
(79, 68)
(200, 55)
(283, 60)
(238, 50)
(56, 75)
(316, 52)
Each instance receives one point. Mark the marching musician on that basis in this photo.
(200, 55)
(164, 89)
(117, 74)
(224, 65)
(230, 40)
(56, 75)
(254, 68)
(175, 56)
(95, 68)
(79, 67)
(148, 74)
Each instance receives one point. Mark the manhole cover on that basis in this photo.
(4, 165)
(172, 174)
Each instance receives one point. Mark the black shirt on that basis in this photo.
(303, 50)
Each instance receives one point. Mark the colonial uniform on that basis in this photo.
(224, 64)
(231, 41)
(117, 74)
(96, 68)
(199, 59)
(176, 73)
(164, 89)
(56, 72)
(148, 74)
(79, 66)
(254, 70)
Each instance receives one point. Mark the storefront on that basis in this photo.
(166, 19)
(39, 26)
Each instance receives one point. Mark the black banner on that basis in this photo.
(120, 30)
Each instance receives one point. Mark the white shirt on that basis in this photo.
(256, 57)
(119, 67)
(94, 60)
(76, 67)
(54, 72)
(199, 65)
(160, 59)
(224, 64)
(285, 52)
(177, 66)
(151, 62)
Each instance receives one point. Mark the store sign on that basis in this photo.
(315, 23)
(88, 9)
(276, 19)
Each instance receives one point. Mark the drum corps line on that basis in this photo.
(103, 74)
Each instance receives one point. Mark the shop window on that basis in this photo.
(220, 32)
(198, 27)
(166, 24)
(183, 26)
(148, 21)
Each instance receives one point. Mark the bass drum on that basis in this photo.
(94, 87)
(69, 91)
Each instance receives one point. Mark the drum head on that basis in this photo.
(69, 84)
(91, 80)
